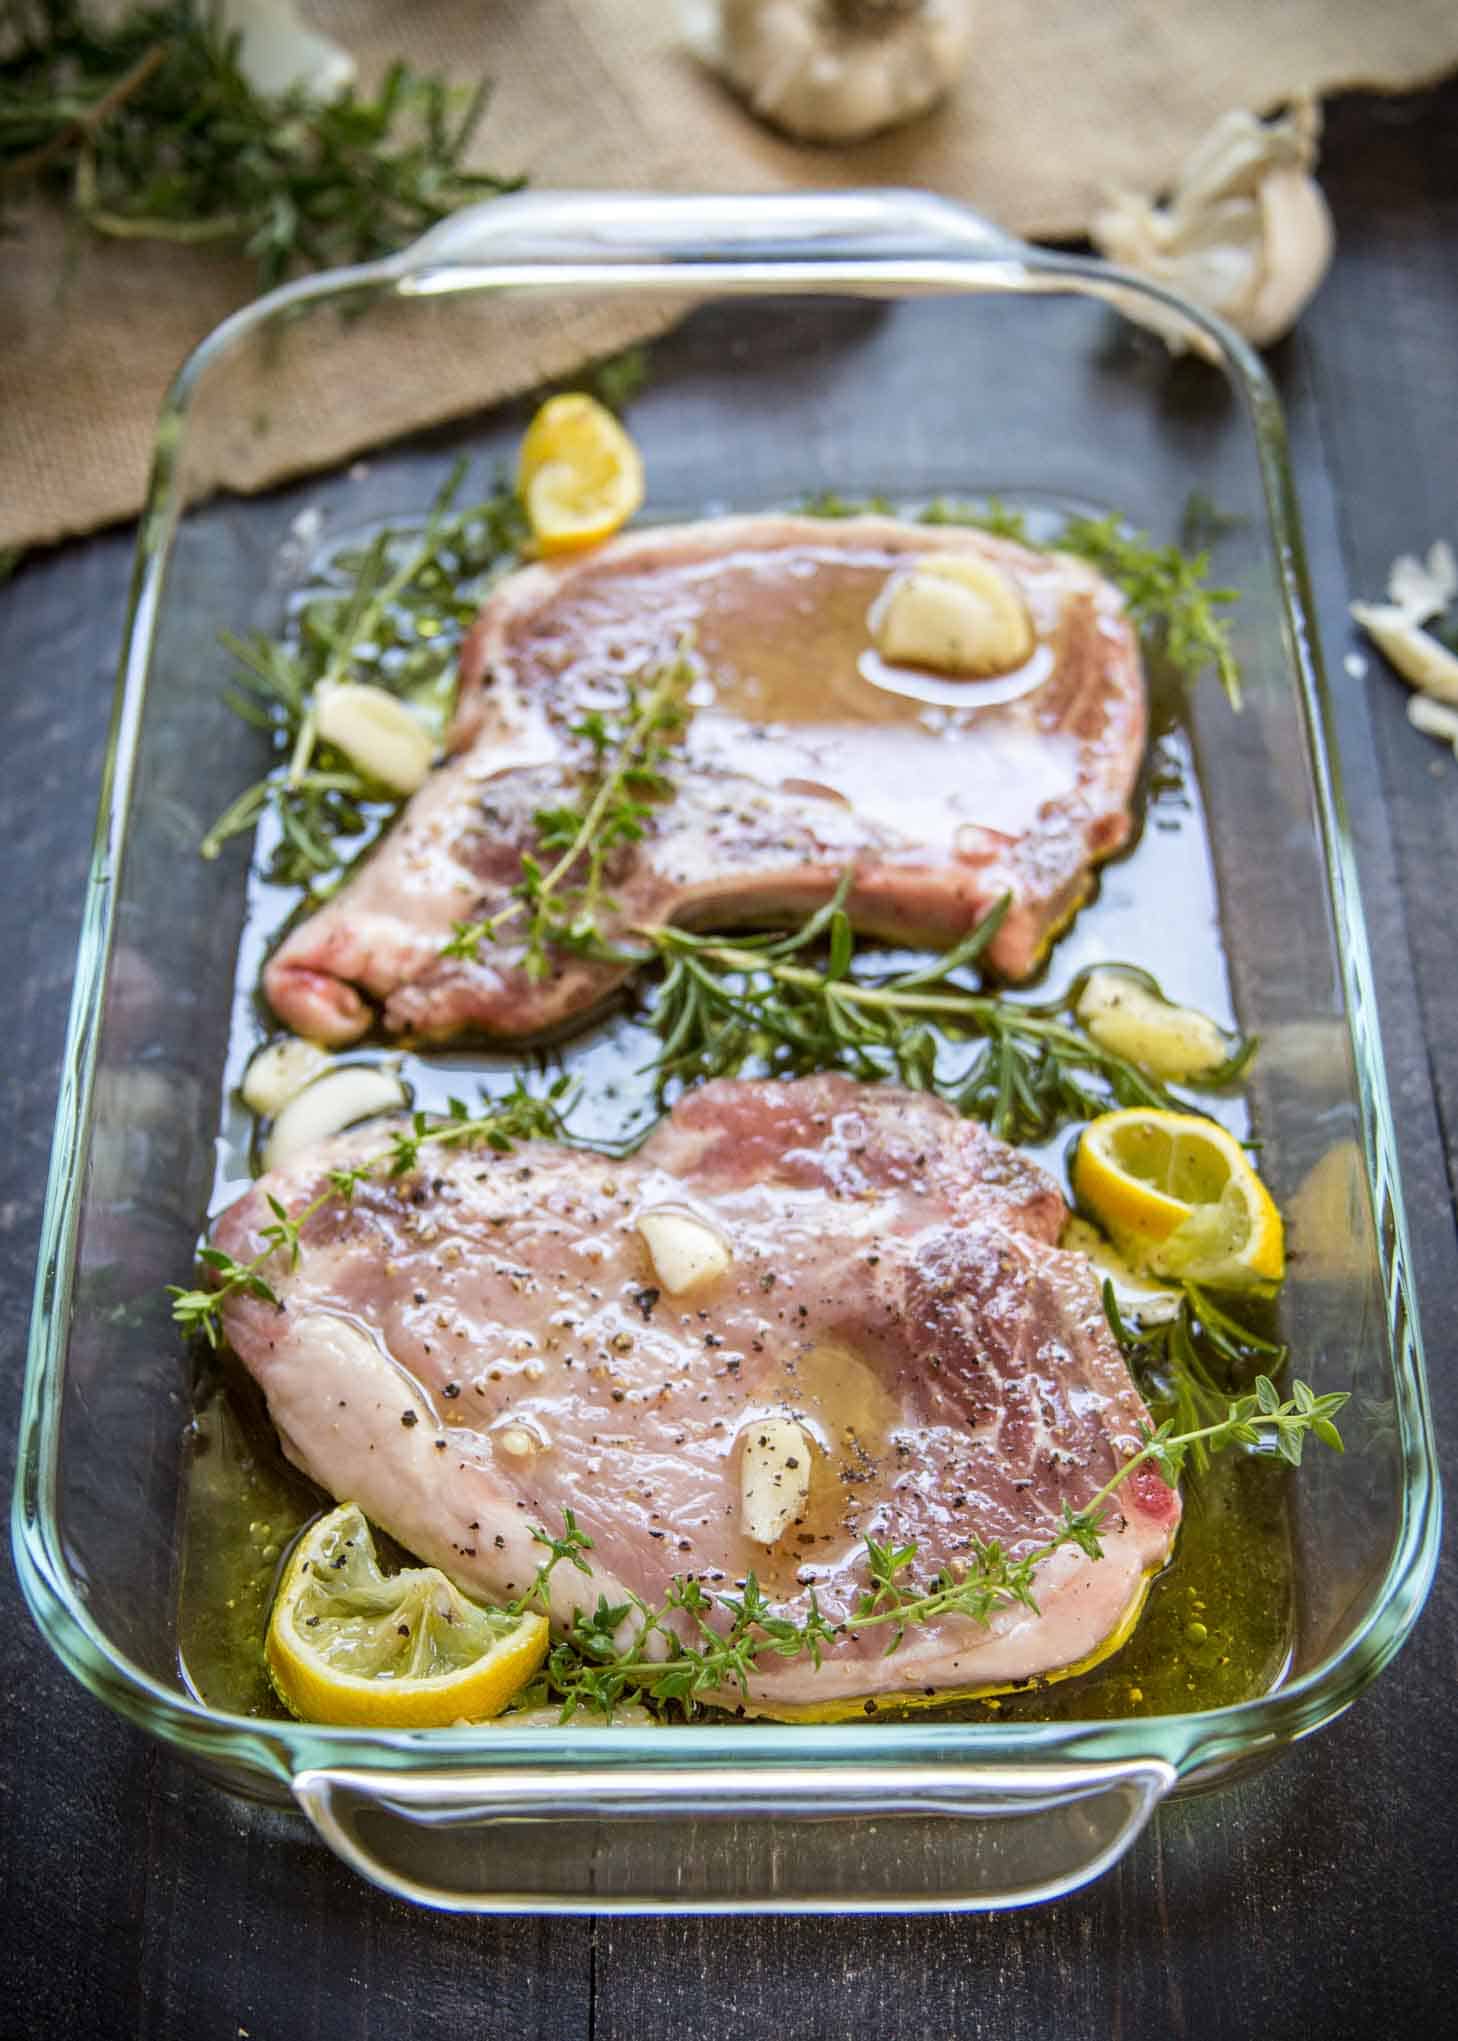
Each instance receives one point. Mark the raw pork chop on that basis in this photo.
(802, 761)
(468, 1352)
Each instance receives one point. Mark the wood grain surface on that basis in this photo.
(1314, 1900)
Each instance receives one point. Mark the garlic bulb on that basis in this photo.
(1246, 233)
(832, 70)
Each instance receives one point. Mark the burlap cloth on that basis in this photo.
(1062, 99)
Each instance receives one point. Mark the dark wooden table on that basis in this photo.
(1315, 1900)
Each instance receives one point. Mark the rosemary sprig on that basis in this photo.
(781, 1003)
(1167, 589)
(561, 902)
(394, 614)
(149, 128)
(519, 1116)
(1179, 1361)
(696, 1647)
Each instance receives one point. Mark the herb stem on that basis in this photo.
(520, 1116)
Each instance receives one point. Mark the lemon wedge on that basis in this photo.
(352, 1645)
(1178, 1197)
(578, 473)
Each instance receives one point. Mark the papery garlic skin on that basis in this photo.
(833, 70)
(1416, 653)
(1246, 233)
(1423, 589)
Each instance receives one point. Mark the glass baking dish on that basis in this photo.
(860, 343)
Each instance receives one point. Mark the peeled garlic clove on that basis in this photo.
(279, 1071)
(774, 1477)
(1434, 719)
(684, 1251)
(1416, 653)
(276, 51)
(954, 614)
(328, 1106)
(376, 732)
(1127, 1019)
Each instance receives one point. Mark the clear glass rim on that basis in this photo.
(1189, 1741)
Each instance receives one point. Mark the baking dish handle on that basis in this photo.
(635, 1838)
(626, 227)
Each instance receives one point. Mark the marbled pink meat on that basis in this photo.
(468, 1352)
(804, 760)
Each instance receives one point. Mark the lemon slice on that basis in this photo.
(1178, 1197)
(579, 474)
(365, 1649)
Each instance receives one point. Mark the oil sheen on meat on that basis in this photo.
(471, 1350)
(805, 759)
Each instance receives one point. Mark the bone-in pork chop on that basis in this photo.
(470, 1351)
(805, 758)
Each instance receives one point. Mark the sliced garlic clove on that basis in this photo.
(1416, 653)
(1137, 1296)
(329, 1105)
(1433, 718)
(953, 614)
(774, 1477)
(376, 732)
(685, 1252)
(1129, 1020)
(281, 1070)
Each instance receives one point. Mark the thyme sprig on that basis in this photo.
(393, 613)
(562, 901)
(697, 1648)
(148, 128)
(1167, 588)
(519, 1116)
(790, 1005)
(1179, 1361)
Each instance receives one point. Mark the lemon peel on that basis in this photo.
(578, 473)
(352, 1645)
(1179, 1198)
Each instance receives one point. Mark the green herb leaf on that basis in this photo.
(148, 128)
